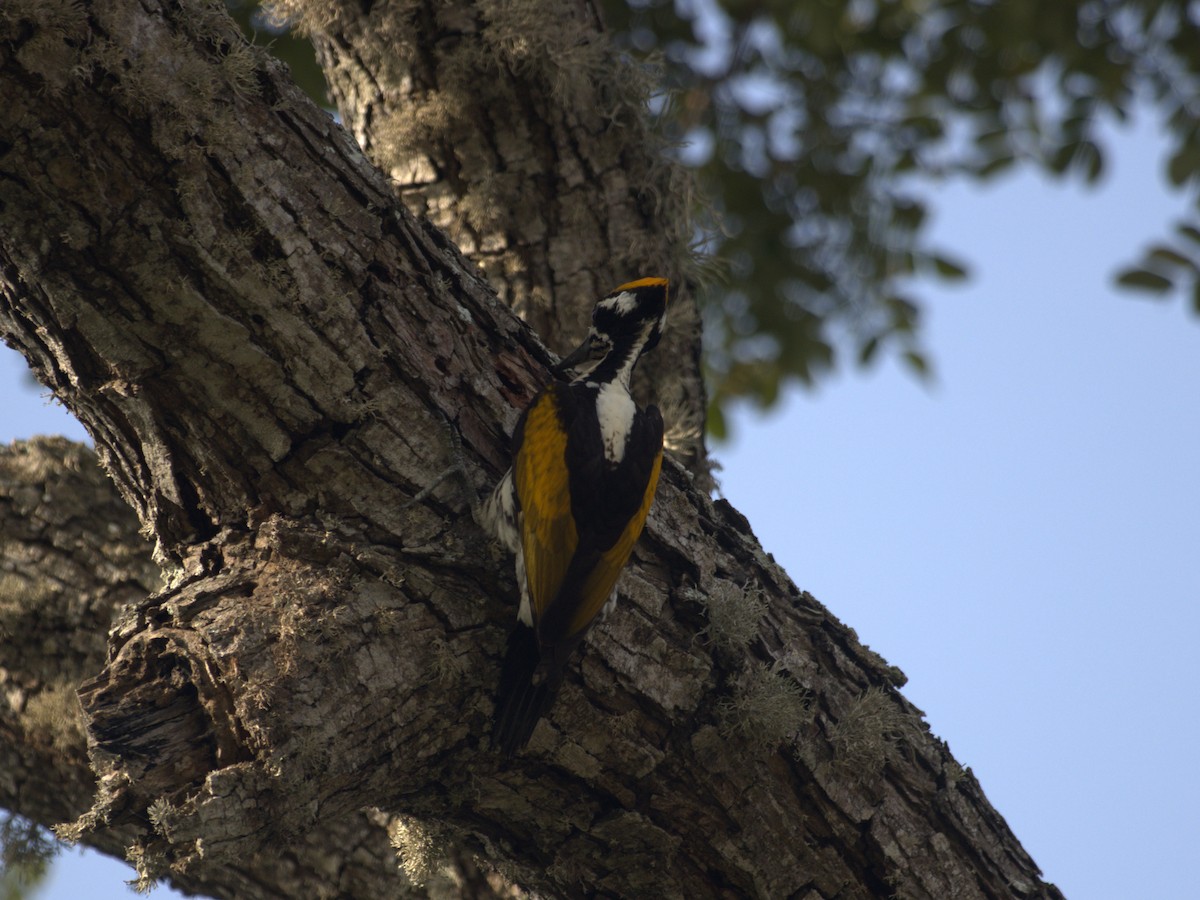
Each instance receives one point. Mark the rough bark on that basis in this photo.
(520, 132)
(71, 558)
(271, 354)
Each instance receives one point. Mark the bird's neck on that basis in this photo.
(617, 365)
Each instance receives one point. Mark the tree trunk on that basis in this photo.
(520, 132)
(271, 354)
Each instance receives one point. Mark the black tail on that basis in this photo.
(520, 702)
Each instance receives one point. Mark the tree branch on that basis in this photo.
(71, 559)
(523, 134)
(264, 346)
(71, 556)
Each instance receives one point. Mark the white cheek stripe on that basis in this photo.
(500, 513)
(624, 302)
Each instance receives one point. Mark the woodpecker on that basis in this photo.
(585, 466)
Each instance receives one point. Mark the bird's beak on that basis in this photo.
(578, 355)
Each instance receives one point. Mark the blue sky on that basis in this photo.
(1019, 537)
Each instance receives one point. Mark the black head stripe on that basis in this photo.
(629, 307)
(607, 320)
(652, 341)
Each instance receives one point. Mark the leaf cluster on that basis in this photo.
(819, 129)
(25, 853)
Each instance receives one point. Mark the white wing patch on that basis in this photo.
(501, 518)
(500, 514)
(615, 410)
(525, 611)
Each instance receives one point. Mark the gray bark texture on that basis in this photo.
(283, 663)
(516, 129)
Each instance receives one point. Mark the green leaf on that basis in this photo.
(1062, 158)
(994, 140)
(1082, 155)
(1091, 160)
(867, 351)
(909, 214)
(995, 166)
(1189, 231)
(1183, 165)
(947, 268)
(718, 428)
(903, 314)
(1170, 257)
(1145, 280)
(902, 263)
(917, 363)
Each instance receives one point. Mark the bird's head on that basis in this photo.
(625, 324)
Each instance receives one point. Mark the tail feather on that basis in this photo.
(519, 702)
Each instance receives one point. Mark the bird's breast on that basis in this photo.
(615, 410)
